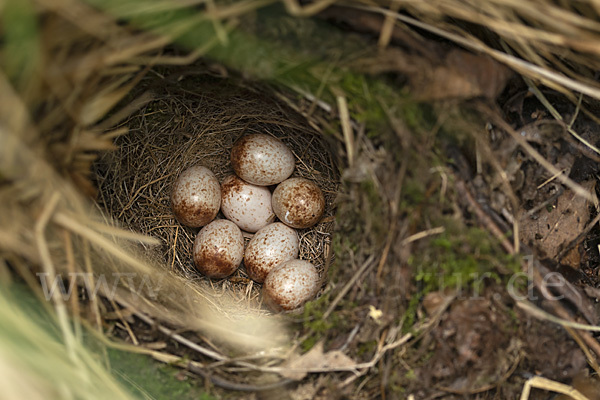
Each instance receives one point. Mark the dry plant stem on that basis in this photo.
(366, 265)
(581, 343)
(387, 27)
(484, 219)
(48, 265)
(547, 76)
(241, 387)
(358, 369)
(347, 129)
(423, 234)
(362, 368)
(294, 7)
(74, 226)
(71, 268)
(546, 384)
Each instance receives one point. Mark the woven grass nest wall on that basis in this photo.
(457, 147)
(194, 118)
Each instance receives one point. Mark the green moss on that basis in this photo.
(146, 378)
(460, 259)
(366, 348)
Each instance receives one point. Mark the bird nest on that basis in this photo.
(194, 119)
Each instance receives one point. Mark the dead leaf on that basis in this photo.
(553, 228)
(457, 74)
(315, 360)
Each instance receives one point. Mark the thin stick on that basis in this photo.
(424, 234)
(368, 263)
(346, 129)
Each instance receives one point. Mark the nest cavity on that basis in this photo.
(195, 118)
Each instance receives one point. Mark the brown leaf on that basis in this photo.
(458, 74)
(550, 230)
(462, 75)
(315, 360)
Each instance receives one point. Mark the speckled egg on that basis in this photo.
(262, 159)
(298, 202)
(272, 245)
(249, 206)
(196, 197)
(219, 249)
(290, 285)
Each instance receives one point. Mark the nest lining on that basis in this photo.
(195, 119)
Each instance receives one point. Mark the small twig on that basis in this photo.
(240, 387)
(424, 234)
(368, 263)
(542, 205)
(484, 219)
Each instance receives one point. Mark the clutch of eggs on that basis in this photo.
(271, 255)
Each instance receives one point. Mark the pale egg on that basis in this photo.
(272, 245)
(298, 202)
(262, 159)
(196, 196)
(290, 285)
(249, 206)
(218, 249)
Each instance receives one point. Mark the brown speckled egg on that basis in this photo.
(262, 159)
(196, 197)
(249, 206)
(298, 202)
(272, 245)
(290, 285)
(219, 249)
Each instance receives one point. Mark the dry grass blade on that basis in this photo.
(544, 74)
(541, 314)
(553, 386)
